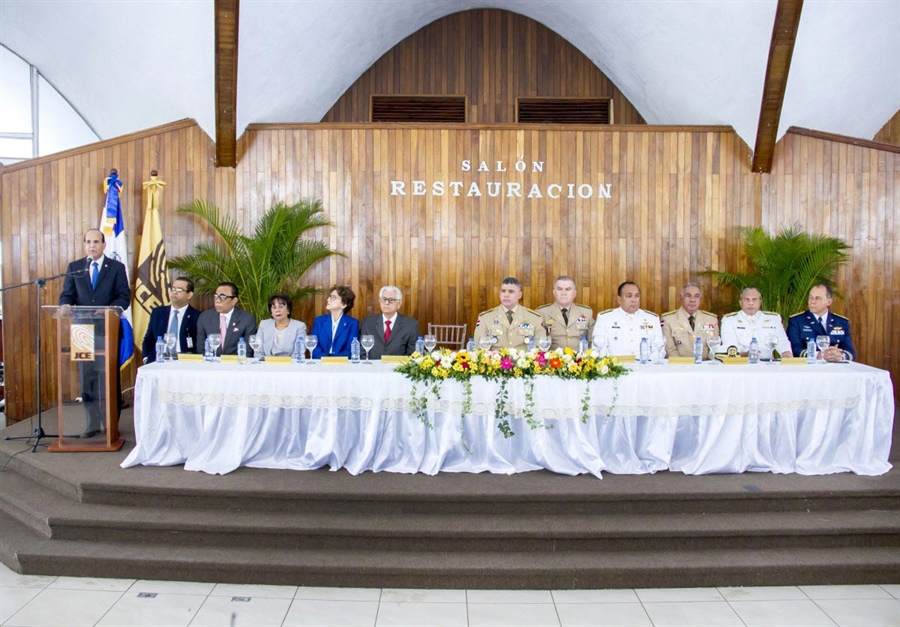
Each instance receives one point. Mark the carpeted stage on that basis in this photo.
(80, 514)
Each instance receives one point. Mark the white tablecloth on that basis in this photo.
(694, 419)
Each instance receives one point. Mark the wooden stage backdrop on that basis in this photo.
(676, 198)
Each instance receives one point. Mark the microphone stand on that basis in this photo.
(38, 432)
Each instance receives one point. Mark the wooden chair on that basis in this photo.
(453, 336)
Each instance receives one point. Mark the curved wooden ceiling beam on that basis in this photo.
(784, 35)
(226, 82)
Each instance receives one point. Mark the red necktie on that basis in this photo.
(387, 331)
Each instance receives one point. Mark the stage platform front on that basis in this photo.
(81, 514)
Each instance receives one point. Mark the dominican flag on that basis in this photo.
(113, 227)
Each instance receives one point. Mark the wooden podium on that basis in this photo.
(88, 350)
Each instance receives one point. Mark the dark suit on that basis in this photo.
(159, 326)
(241, 325)
(111, 291)
(803, 327)
(404, 333)
(348, 330)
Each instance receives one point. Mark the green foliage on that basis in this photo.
(273, 260)
(784, 267)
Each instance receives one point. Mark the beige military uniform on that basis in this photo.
(525, 323)
(581, 324)
(679, 335)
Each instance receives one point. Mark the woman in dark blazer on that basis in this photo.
(336, 329)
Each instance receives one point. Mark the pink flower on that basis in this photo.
(506, 363)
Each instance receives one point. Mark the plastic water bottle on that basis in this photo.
(354, 351)
(698, 351)
(299, 349)
(811, 353)
(242, 351)
(420, 346)
(470, 346)
(753, 353)
(583, 345)
(160, 349)
(644, 351)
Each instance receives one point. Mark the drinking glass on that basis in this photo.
(255, 344)
(311, 342)
(485, 343)
(714, 342)
(368, 341)
(771, 343)
(170, 339)
(544, 343)
(215, 341)
(823, 342)
(600, 345)
(430, 342)
(659, 349)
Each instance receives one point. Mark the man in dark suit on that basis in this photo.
(179, 317)
(394, 334)
(230, 321)
(102, 282)
(819, 320)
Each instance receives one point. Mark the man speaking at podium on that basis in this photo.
(95, 281)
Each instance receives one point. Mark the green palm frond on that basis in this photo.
(784, 267)
(273, 260)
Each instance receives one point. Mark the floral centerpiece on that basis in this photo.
(502, 365)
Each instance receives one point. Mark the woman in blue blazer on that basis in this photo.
(336, 329)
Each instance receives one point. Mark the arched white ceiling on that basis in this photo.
(126, 66)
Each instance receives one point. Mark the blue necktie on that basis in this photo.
(94, 272)
(173, 328)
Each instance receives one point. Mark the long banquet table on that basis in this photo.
(701, 419)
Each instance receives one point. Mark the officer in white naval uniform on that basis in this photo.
(740, 327)
(623, 328)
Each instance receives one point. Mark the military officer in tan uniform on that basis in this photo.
(565, 321)
(682, 326)
(619, 331)
(510, 325)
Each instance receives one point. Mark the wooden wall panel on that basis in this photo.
(492, 57)
(851, 192)
(46, 204)
(890, 132)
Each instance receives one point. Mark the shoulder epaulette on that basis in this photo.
(486, 311)
(799, 313)
(531, 310)
(606, 312)
(839, 316)
(583, 306)
(772, 313)
(733, 313)
(545, 306)
(709, 313)
(669, 313)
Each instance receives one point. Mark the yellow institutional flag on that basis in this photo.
(151, 285)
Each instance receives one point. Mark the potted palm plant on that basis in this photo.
(272, 260)
(784, 267)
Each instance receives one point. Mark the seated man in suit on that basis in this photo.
(95, 280)
(230, 321)
(818, 320)
(179, 318)
(394, 333)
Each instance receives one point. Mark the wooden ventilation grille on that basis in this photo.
(434, 109)
(564, 111)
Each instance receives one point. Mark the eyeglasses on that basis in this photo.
(390, 301)
(177, 290)
(332, 297)
(223, 296)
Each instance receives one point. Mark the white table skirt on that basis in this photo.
(694, 419)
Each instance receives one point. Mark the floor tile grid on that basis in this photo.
(831, 596)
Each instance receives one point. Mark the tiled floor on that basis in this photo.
(70, 601)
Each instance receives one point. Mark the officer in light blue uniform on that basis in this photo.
(819, 320)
